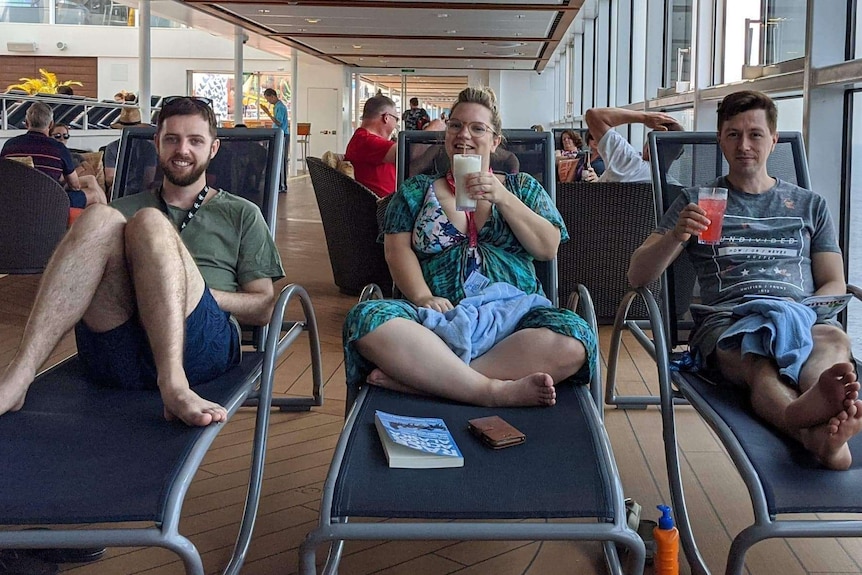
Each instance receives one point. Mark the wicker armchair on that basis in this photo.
(606, 223)
(33, 219)
(349, 213)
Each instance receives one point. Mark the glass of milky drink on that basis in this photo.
(462, 166)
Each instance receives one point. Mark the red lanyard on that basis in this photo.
(472, 232)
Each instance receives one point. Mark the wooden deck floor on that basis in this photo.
(301, 445)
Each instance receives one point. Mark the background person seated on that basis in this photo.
(622, 162)
(88, 165)
(571, 143)
(570, 159)
(594, 164)
(51, 157)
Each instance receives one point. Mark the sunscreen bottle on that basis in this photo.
(667, 544)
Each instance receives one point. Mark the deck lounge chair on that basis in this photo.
(77, 455)
(567, 452)
(786, 485)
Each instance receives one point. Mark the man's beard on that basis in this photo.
(182, 181)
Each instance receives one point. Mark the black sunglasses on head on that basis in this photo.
(197, 100)
(61, 136)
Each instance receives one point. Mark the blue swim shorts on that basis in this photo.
(122, 356)
(77, 199)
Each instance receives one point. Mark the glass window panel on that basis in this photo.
(785, 30)
(854, 246)
(858, 33)
(679, 49)
(789, 114)
(741, 24)
(25, 11)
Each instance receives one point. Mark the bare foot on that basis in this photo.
(192, 409)
(536, 389)
(13, 389)
(380, 378)
(830, 447)
(836, 389)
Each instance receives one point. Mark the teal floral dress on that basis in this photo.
(445, 258)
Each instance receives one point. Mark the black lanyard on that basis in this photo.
(199, 201)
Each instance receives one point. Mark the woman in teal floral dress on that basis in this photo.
(432, 249)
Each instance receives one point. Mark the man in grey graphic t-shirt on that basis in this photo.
(777, 240)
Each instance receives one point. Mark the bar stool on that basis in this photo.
(303, 133)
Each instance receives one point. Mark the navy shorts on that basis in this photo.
(122, 356)
(77, 199)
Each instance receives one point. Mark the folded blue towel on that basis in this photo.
(776, 328)
(478, 322)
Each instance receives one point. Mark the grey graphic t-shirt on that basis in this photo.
(766, 243)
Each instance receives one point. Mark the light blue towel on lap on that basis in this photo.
(478, 322)
(776, 328)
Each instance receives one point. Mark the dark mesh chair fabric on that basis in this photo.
(33, 219)
(606, 223)
(349, 214)
(114, 467)
(243, 165)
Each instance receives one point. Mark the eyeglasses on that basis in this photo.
(200, 101)
(477, 129)
(61, 136)
(391, 115)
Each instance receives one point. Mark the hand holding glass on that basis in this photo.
(714, 203)
(462, 166)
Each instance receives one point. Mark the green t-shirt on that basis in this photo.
(228, 238)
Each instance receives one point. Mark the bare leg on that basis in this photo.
(771, 398)
(415, 359)
(90, 253)
(532, 350)
(827, 380)
(168, 287)
(91, 189)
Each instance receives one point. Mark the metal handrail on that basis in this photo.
(87, 103)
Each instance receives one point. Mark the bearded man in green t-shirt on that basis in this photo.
(155, 283)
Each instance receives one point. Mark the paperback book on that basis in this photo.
(417, 442)
(825, 306)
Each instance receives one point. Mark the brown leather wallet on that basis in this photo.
(495, 432)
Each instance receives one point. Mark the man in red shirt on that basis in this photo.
(371, 151)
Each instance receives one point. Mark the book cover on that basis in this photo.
(828, 306)
(825, 306)
(417, 442)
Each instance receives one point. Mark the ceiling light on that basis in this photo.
(263, 11)
(442, 15)
(504, 44)
(451, 31)
(520, 16)
(460, 48)
(300, 29)
(312, 20)
(357, 46)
